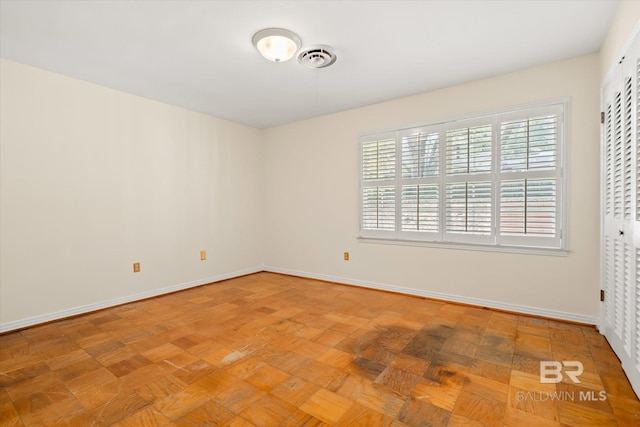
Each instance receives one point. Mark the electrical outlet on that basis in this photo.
(136, 267)
(203, 255)
(346, 256)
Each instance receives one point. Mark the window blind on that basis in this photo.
(489, 180)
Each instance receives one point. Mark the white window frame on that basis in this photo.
(557, 245)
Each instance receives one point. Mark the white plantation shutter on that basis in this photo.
(529, 199)
(420, 191)
(469, 150)
(528, 207)
(378, 185)
(637, 310)
(620, 280)
(378, 160)
(420, 208)
(378, 208)
(609, 160)
(529, 143)
(617, 157)
(628, 151)
(493, 180)
(420, 155)
(637, 139)
(468, 208)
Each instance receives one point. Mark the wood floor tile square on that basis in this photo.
(336, 358)
(329, 338)
(240, 396)
(515, 417)
(100, 394)
(326, 406)
(419, 413)
(32, 385)
(353, 386)
(25, 369)
(295, 390)
(267, 377)
(9, 416)
(319, 373)
(627, 411)
(129, 365)
(361, 416)
(56, 414)
(301, 419)
(268, 411)
(572, 414)
(529, 400)
(381, 399)
(397, 380)
(210, 413)
(142, 376)
(41, 400)
(441, 395)
(161, 387)
(178, 404)
(410, 364)
(367, 368)
(478, 408)
(119, 407)
(485, 387)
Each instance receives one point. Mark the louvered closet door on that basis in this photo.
(620, 311)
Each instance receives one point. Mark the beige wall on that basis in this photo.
(312, 191)
(626, 20)
(92, 180)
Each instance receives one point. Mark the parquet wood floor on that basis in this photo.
(274, 350)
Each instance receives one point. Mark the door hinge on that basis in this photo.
(601, 117)
(602, 295)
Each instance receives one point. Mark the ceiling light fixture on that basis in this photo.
(276, 44)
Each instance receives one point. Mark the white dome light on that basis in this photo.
(276, 44)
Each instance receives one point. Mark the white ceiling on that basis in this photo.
(198, 54)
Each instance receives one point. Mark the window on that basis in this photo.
(492, 182)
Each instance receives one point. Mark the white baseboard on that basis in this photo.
(35, 320)
(581, 318)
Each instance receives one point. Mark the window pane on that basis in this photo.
(514, 146)
(541, 207)
(456, 208)
(420, 208)
(379, 160)
(479, 207)
(512, 207)
(468, 208)
(420, 155)
(379, 208)
(528, 207)
(480, 149)
(542, 142)
(529, 143)
(469, 150)
(457, 151)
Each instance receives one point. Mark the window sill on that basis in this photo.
(468, 246)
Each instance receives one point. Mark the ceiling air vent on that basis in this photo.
(317, 56)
